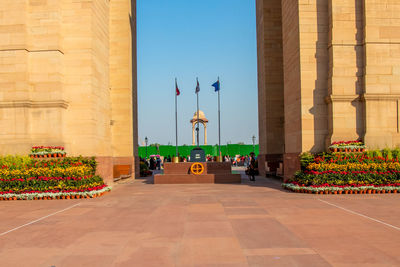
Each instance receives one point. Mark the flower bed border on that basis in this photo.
(48, 155)
(348, 146)
(58, 195)
(336, 190)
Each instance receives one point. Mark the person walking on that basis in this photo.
(252, 168)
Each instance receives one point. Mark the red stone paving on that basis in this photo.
(252, 224)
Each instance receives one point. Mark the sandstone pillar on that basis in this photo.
(345, 84)
(123, 85)
(292, 86)
(382, 73)
(270, 85)
(305, 53)
(86, 75)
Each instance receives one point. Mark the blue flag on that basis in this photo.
(216, 86)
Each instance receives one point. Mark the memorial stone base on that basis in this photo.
(181, 173)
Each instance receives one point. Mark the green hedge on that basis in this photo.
(184, 151)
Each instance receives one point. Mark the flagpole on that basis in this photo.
(219, 123)
(198, 116)
(176, 118)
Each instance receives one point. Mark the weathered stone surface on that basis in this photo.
(68, 77)
(340, 74)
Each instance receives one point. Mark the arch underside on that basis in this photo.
(194, 123)
(327, 71)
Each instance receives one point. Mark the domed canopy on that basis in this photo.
(202, 117)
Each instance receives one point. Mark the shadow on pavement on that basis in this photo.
(269, 182)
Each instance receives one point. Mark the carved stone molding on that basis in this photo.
(364, 97)
(378, 97)
(34, 104)
(342, 98)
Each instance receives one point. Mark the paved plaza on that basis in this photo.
(252, 224)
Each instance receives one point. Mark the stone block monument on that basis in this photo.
(197, 173)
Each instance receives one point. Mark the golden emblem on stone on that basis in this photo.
(197, 168)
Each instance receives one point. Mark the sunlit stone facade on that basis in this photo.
(328, 71)
(68, 77)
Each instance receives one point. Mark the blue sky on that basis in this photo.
(205, 39)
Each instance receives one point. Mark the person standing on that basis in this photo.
(158, 163)
(151, 163)
(246, 161)
(252, 168)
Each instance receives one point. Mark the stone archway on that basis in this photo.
(324, 74)
(201, 119)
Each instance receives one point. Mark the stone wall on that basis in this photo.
(340, 73)
(67, 77)
(31, 75)
(382, 72)
(292, 84)
(85, 28)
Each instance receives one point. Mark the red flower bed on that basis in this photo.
(25, 178)
(372, 171)
(95, 188)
